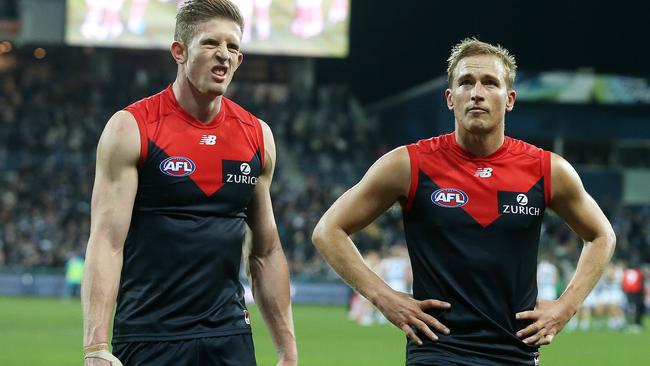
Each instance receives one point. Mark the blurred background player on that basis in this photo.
(257, 12)
(589, 314)
(136, 22)
(102, 20)
(611, 299)
(338, 11)
(547, 278)
(396, 268)
(633, 286)
(74, 272)
(309, 20)
(362, 310)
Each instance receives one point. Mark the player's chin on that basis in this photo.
(217, 89)
(479, 126)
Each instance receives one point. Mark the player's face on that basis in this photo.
(213, 56)
(479, 96)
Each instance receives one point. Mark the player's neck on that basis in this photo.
(201, 106)
(480, 144)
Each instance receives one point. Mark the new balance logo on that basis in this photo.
(483, 172)
(208, 140)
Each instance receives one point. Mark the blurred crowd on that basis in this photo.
(52, 111)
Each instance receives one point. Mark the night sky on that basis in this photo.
(395, 45)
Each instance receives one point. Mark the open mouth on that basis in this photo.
(219, 71)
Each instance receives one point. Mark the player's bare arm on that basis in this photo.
(385, 183)
(114, 190)
(571, 202)
(268, 264)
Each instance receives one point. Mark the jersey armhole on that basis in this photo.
(142, 127)
(260, 136)
(546, 171)
(415, 173)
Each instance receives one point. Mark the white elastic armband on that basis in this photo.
(104, 355)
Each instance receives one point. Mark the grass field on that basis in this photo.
(47, 332)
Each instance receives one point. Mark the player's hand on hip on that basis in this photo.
(549, 318)
(408, 315)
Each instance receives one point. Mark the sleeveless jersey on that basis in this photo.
(472, 227)
(182, 255)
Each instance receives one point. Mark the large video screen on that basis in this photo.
(278, 27)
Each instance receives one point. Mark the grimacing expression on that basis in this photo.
(479, 95)
(213, 55)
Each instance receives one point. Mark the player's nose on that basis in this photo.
(478, 92)
(222, 53)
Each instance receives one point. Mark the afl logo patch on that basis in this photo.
(177, 166)
(449, 197)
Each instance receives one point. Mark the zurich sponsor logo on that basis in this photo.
(449, 197)
(245, 168)
(522, 199)
(177, 166)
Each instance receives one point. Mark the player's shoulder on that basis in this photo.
(521, 147)
(235, 110)
(149, 108)
(151, 102)
(121, 137)
(432, 144)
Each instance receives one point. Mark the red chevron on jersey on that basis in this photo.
(233, 134)
(515, 167)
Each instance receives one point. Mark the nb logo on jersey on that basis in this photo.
(177, 166)
(208, 140)
(449, 197)
(483, 172)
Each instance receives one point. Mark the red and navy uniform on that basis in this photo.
(472, 227)
(180, 277)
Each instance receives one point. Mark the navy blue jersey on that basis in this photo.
(472, 228)
(182, 255)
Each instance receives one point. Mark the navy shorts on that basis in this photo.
(234, 350)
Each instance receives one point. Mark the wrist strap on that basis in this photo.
(104, 355)
(103, 346)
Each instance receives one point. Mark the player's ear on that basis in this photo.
(510, 101)
(179, 52)
(240, 58)
(450, 100)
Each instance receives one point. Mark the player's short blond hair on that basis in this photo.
(473, 47)
(195, 12)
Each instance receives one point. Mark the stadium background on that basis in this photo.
(587, 97)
